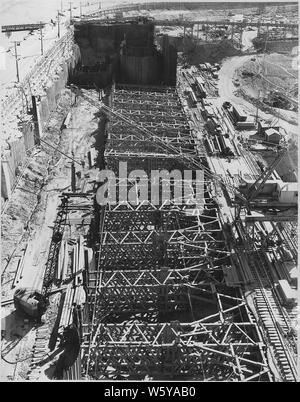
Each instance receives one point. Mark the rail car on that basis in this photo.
(286, 294)
(193, 98)
(225, 145)
(239, 114)
(199, 87)
(209, 146)
(245, 125)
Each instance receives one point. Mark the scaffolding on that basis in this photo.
(158, 302)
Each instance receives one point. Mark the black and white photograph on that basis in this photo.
(149, 194)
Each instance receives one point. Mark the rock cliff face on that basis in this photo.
(20, 128)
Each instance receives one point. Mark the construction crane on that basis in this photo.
(32, 302)
(244, 198)
(253, 191)
(256, 187)
(187, 159)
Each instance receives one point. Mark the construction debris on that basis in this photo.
(149, 235)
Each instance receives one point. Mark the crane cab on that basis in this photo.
(30, 302)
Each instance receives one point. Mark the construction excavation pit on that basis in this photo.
(155, 237)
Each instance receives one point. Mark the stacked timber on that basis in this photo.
(81, 262)
(40, 350)
(19, 270)
(63, 261)
(75, 293)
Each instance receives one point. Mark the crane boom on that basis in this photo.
(189, 160)
(271, 218)
(260, 182)
(245, 199)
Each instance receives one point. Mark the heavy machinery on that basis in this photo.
(245, 195)
(252, 191)
(30, 301)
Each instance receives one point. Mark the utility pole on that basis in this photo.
(73, 174)
(80, 8)
(16, 57)
(58, 26)
(41, 30)
(70, 10)
(73, 177)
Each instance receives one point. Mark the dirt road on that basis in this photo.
(227, 93)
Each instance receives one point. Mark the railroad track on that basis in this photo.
(275, 321)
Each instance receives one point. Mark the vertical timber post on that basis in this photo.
(41, 31)
(58, 24)
(17, 61)
(73, 178)
(90, 159)
(36, 120)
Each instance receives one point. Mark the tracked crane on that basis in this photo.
(243, 197)
(36, 302)
(186, 159)
(253, 191)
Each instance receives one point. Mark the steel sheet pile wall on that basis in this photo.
(158, 304)
(143, 70)
(124, 52)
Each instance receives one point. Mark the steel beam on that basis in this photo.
(166, 258)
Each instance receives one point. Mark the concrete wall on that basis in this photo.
(48, 102)
(125, 51)
(202, 52)
(106, 39)
(15, 155)
(169, 61)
